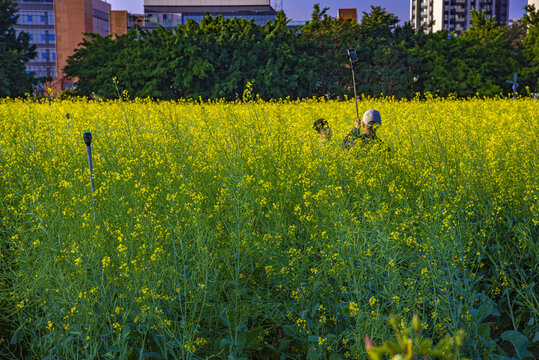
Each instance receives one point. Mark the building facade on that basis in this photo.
(454, 15)
(38, 20)
(348, 14)
(101, 17)
(73, 19)
(170, 13)
(56, 28)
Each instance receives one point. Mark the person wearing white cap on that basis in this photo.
(364, 131)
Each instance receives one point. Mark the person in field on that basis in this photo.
(321, 126)
(364, 132)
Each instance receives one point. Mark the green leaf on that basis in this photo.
(224, 342)
(290, 330)
(313, 355)
(113, 349)
(519, 341)
(284, 344)
(499, 357)
(335, 356)
(254, 337)
(151, 355)
(483, 330)
(16, 338)
(313, 338)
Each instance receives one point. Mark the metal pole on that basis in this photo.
(515, 86)
(355, 92)
(87, 137)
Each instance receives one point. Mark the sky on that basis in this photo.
(302, 9)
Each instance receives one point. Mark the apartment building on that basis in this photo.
(37, 19)
(454, 15)
(56, 28)
(170, 13)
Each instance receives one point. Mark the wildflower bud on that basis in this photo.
(394, 322)
(368, 343)
(416, 323)
(460, 337)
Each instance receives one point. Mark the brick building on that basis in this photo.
(57, 27)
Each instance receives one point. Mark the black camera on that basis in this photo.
(352, 55)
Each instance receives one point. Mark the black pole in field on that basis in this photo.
(352, 56)
(87, 137)
(355, 91)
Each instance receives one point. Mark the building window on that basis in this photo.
(52, 37)
(43, 56)
(43, 37)
(42, 19)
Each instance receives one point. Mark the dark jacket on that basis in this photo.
(365, 141)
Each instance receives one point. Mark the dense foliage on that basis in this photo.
(15, 52)
(230, 230)
(216, 58)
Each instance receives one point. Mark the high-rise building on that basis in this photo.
(454, 15)
(56, 28)
(170, 13)
(37, 19)
(73, 19)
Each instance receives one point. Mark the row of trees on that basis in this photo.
(216, 58)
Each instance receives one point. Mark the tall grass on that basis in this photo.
(230, 230)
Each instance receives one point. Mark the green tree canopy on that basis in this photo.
(531, 45)
(217, 57)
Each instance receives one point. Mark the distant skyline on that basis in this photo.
(302, 10)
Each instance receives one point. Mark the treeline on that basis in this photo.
(218, 57)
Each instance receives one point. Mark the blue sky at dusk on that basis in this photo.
(301, 10)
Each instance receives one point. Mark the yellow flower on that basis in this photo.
(354, 309)
(105, 261)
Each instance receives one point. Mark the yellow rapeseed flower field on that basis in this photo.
(232, 230)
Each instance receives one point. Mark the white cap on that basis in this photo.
(372, 117)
